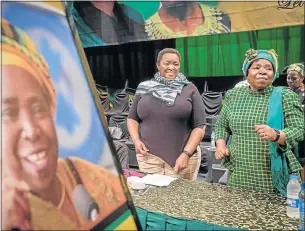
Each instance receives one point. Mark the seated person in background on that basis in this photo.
(252, 160)
(171, 113)
(122, 152)
(243, 83)
(295, 81)
(37, 185)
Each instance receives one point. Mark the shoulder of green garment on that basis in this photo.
(288, 92)
(234, 93)
(291, 95)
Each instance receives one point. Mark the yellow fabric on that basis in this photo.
(257, 15)
(12, 59)
(12, 55)
(6, 28)
(58, 5)
(45, 216)
(102, 185)
(127, 224)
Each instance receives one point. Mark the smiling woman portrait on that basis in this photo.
(167, 121)
(264, 123)
(41, 191)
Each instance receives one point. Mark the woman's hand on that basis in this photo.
(181, 163)
(15, 206)
(265, 132)
(140, 147)
(221, 152)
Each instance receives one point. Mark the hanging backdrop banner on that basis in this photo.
(223, 55)
(116, 22)
(58, 169)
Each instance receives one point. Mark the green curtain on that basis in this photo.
(222, 55)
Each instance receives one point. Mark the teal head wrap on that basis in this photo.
(252, 55)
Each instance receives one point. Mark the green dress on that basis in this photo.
(249, 156)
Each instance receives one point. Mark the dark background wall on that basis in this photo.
(113, 65)
(136, 62)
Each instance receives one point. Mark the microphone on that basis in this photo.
(85, 204)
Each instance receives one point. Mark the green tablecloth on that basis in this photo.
(186, 205)
(159, 221)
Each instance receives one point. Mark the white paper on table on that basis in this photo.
(158, 180)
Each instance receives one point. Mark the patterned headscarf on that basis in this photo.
(19, 50)
(252, 55)
(299, 67)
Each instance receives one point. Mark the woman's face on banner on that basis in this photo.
(29, 141)
(169, 65)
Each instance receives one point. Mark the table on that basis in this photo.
(217, 205)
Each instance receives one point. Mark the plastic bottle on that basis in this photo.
(293, 190)
(213, 139)
(302, 207)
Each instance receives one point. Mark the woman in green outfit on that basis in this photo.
(259, 156)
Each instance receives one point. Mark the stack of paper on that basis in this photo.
(158, 180)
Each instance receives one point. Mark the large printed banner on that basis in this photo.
(58, 170)
(115, 22)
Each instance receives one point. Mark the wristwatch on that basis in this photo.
(278, 135)
(187, 153)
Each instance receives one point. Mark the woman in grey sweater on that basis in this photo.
(167, 121)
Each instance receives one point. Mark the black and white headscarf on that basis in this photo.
(162, 88)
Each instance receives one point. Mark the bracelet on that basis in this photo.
(278, 135)
(187, 153)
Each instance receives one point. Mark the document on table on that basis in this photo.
(158, 180)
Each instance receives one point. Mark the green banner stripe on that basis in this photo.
(117, 222)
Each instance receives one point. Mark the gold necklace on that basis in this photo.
(63, 193)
